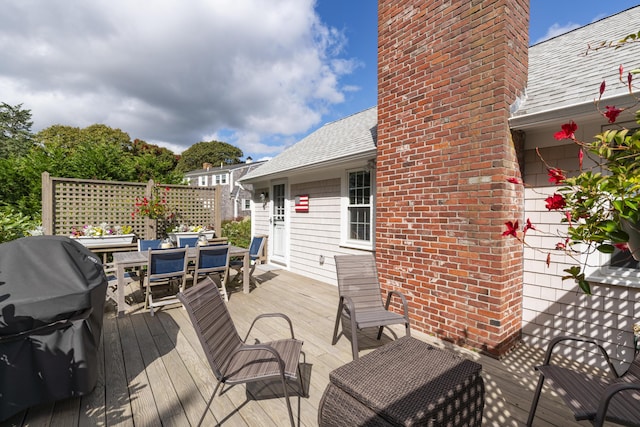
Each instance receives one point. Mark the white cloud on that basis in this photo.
(174, 71)
(556, 30)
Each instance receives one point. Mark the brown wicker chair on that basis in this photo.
(592, 397)
(361, 298)
(233, 361)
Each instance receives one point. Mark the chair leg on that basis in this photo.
(223, 286)
(338, 316)
(206, 408)
(534, 404)
(380, 332)
(354, 338)
(286, 396)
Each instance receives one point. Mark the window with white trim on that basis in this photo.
(246, 204)
(358, 209)
(202, 181)
(221, 179)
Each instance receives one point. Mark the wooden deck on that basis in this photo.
(154, 372)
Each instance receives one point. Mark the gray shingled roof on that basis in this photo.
(561, 75)
(354, 135)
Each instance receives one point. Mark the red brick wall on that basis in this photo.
(447, 74)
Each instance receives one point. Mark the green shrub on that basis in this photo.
(238, 232)
(14, 224)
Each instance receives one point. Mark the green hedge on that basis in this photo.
(238, 232)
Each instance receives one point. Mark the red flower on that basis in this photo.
(512, 228)
(622, 246)
(529, 226)
(567, 132)
(556, 176)
(612, 113)
(555, 202)
(580, 158)
(602, 86)
(514, 180)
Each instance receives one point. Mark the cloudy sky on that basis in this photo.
(259, 74)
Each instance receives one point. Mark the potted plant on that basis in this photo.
(599, 204)
(102, 235)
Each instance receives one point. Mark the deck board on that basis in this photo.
(154, 372)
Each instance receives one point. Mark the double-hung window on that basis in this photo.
(358, 209)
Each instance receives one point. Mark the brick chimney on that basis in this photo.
(448, 72)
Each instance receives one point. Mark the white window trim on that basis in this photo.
(345, 241)
(606, 274)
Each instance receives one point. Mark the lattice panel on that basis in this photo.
(79, 203)
(69, 203)
(192, 205)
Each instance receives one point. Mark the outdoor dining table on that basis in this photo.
(131, 259)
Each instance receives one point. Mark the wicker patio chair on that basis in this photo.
(231, 359)
(592, 397)
(361, 298)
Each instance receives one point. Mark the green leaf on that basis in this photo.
(606, 249)
(584, 285)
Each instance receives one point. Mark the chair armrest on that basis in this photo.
(257, 347)
(404, 302)
(350, 306)
(283, 316)
(560, 339)
(608, 394)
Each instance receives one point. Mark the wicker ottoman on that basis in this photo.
(404, 383)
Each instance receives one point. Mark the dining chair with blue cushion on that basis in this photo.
(146, 244)
(255, 253)
(183, 242)
(213, 259)
(165, 267)
(143, 246)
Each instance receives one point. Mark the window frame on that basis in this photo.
(346, 207)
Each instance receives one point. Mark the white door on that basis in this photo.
(278, 225)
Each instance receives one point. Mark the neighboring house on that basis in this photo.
(321, 201)
(236, 200)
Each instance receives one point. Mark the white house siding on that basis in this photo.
(551, 306)
(260, 214)
(315, 236)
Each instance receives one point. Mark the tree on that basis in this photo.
(214, 152)
(15, 131)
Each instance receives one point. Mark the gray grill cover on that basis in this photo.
(52, 294)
